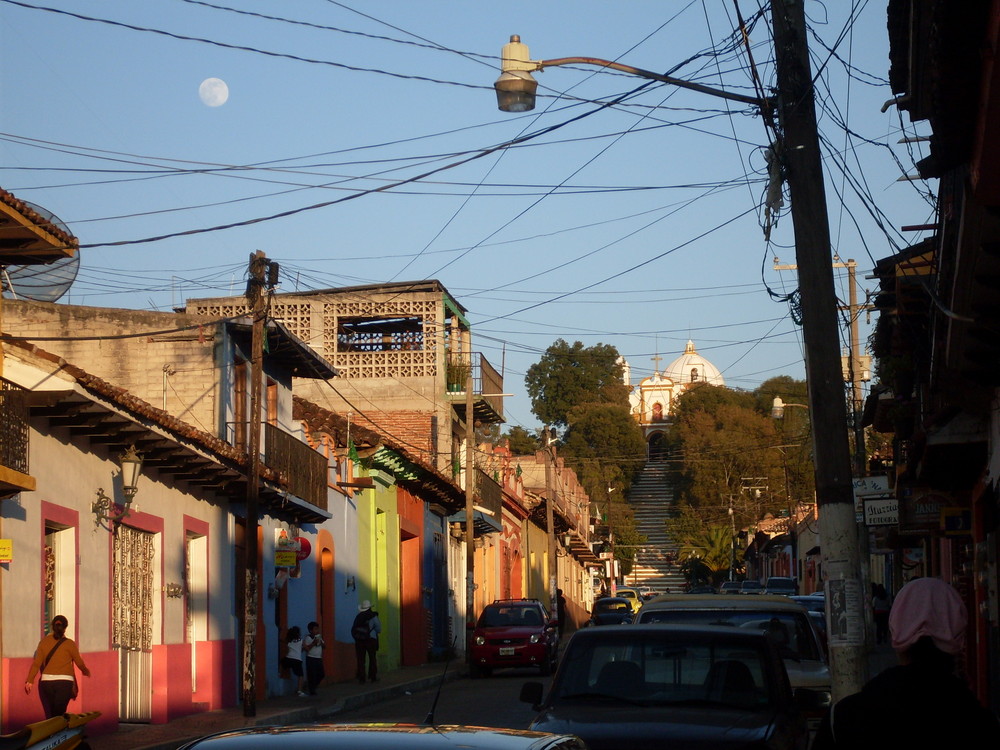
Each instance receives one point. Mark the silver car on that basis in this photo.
(786, 622)
(383, 737)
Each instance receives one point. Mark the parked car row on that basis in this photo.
(685, 670)
(674, 686)
(776, 585)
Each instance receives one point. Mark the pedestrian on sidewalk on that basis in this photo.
(55, 656)
(923, 702)
(365, 631)
(312, 645)
(293, 657)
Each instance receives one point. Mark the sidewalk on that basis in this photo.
(332, 699)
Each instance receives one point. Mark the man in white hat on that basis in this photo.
(365, 632)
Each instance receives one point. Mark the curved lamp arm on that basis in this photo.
(516, 87)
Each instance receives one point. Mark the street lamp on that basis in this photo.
(516, 86)
(105, 509)
(778, 408)
(798, 150)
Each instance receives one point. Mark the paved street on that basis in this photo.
(404, 695)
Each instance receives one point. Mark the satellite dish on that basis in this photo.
(40, 283)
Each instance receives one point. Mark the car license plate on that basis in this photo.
(506, 651)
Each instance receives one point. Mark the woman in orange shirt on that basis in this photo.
(54, 659)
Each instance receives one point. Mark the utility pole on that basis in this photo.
(550, 465)
(470, 507)
(853, 364)
(856, 371)
(261, 272)
(803, 166)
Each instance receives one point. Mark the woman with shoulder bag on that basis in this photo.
(54, 659)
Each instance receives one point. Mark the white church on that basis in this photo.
(652, 398)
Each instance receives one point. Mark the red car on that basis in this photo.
(513, 633)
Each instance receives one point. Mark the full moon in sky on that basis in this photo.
(213, 92)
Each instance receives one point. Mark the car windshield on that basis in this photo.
(511, 616)
(666, 671)
(790, 631)
(610, 606)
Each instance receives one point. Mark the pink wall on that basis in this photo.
(99, 692)
(172, 696)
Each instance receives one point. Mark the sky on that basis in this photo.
(360, 143)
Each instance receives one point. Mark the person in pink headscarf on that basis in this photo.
(922, 703)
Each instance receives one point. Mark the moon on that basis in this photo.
(213, 92)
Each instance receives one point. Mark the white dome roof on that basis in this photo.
(691, 367)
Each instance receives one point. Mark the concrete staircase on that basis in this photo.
(651, 499)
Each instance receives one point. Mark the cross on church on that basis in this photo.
(656, 362)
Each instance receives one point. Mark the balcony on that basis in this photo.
(303, 471)
(488, 408)
(14, 475)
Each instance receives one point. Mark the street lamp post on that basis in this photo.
(799, 153)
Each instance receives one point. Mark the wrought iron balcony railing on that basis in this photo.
(13, 427)
(487, 384)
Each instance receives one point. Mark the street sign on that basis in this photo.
(881, 511)
(864, 486)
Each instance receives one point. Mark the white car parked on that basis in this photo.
(784, 620)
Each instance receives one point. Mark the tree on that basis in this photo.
(785, 387)
(731, 453)
(521, 441)
(604, 445)
(573, 375)
(712, 544)
(695, 571)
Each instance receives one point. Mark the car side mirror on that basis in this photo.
(531, 692)
(808, 699)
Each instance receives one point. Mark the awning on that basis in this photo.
(961, 429)
(482, 523)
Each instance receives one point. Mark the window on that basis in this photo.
(694, 374)
(272, 403)
(380, 334)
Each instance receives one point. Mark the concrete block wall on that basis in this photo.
(103, 342)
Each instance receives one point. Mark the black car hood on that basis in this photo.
(613, 725)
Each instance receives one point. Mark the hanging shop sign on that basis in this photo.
(286, 549)
(883, 511)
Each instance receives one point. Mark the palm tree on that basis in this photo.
(713, 547)
(695, 571)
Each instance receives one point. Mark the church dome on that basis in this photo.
(691, 367)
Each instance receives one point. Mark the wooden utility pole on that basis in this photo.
(550, 499)
(257, 299)
(855, 364)
(470, 506)
(803, 167)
